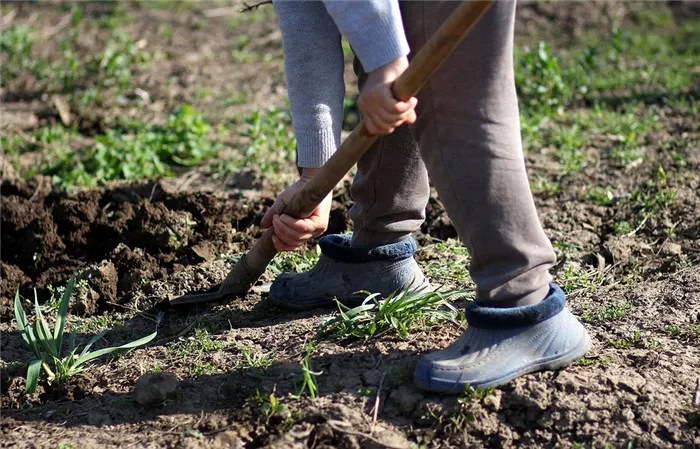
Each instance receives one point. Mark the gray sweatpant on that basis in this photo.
(467, 138)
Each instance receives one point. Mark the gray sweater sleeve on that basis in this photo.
(313, 58)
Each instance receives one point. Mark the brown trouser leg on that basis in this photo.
(468, 131)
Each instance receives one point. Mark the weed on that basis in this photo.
(463, 415)
(585, 361)
(568, 141)
(611, 312)
(254, 359)
(543, 185)
(199, 343)
(622, 227)
(146, 152)
(308, 374)
(449, 265)
(271, 406)
(471, 394)
(684, 332)
(655, 194)
(47, 345)
(634, 339)
(601, 195)
(539, 78)
(98, 323)
(294, 261)
(272, 145)
(575, 279)
(199, 369)
(399, 313)
(16, 44)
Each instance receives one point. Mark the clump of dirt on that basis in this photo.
(155, 388)
(116, 240)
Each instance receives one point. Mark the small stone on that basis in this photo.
(628, 414)
(405, 399)
(390, 438)
(155, 388)
(671, 249)
(492, 402)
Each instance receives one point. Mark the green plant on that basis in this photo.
(471, 394)
(272, 145)
(611, 312)
(575, 279)
(273, 407)
(47, 345)
(634, 339)
(254, 359)
(16, 44)
(602, 196)
(294, 261)
(622, 227)
(447, 263)
(543, 185)
(539, 78)
(135, 152)
(115, 64)
(568, 141)
(655, 194)
(200, 368)
(585, 361)
(199, 343)
(308, 374)
(399, 312)
(684, 332)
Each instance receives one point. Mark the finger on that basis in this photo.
(412, 117)
(275, 209)
(402, 107)
(289, 235)
(301, 226)
(404, 118)
(281, 246)
(379, 124)
(405, 106)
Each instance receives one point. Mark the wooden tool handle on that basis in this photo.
(423, 65)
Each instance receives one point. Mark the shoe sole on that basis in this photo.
(437, 385)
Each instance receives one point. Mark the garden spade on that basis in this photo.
(252, 265)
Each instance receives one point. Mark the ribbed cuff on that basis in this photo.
(315, 147)
(380, 42)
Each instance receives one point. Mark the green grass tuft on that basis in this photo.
(136, 152)
(398, 313)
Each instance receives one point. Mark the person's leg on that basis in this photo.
(390, 188)
(390, 191)
(469, 133)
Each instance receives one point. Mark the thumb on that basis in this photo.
(275, 209)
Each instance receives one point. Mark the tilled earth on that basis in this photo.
(135, 245)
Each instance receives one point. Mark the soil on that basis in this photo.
(136, 245)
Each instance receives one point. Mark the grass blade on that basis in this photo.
(24, 327)
(71, 342)
(92, 342)
(61, 316)
(44, 341)
(43, 331)
(93, 355)
(33, 371)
